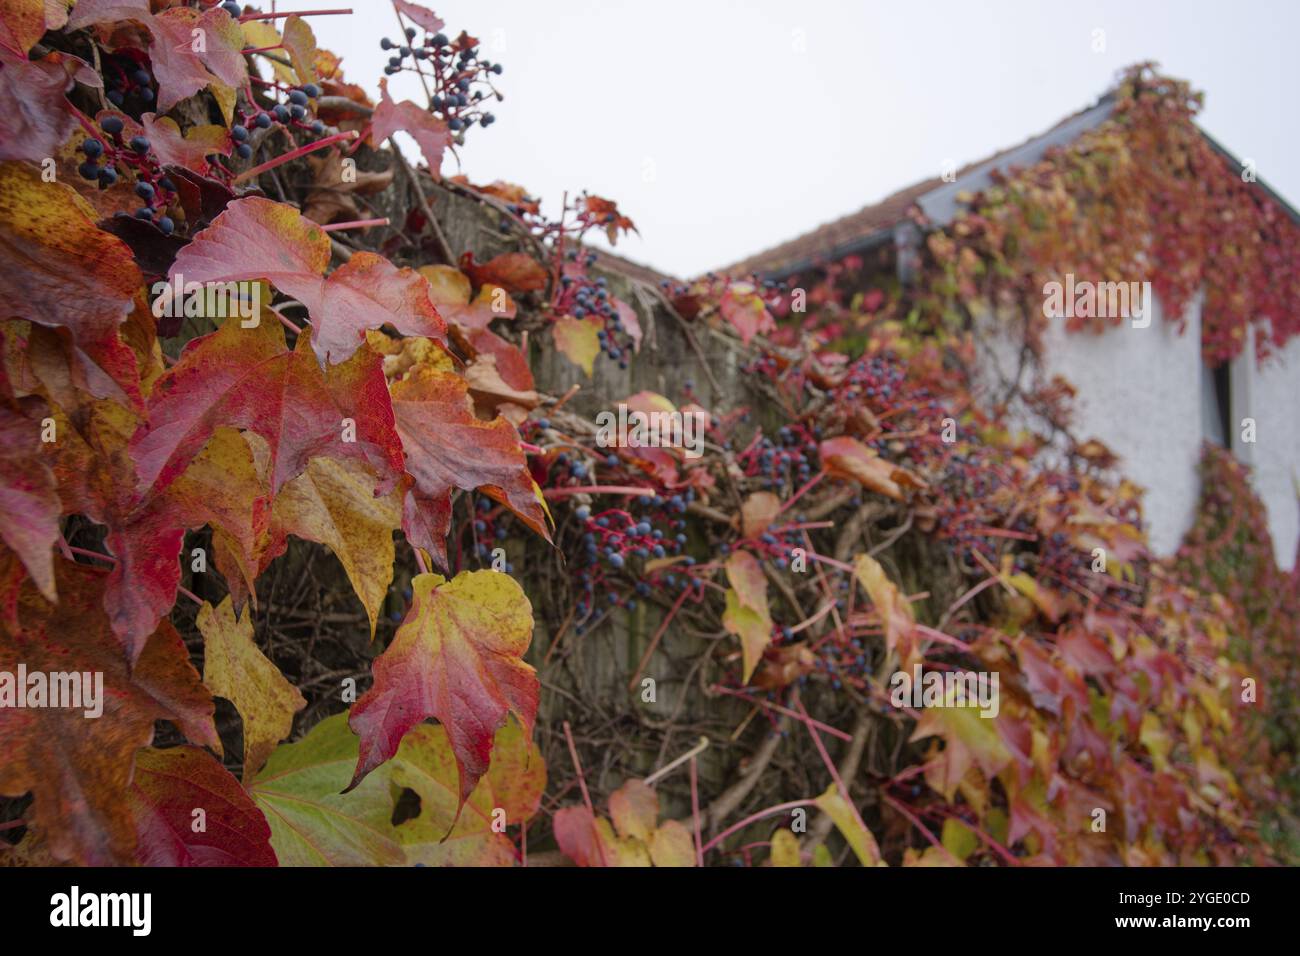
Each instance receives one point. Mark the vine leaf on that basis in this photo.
(77, 767)
(577, 340)
(58, 270)
(312, 822)
(894, 610)
(333, 503)
(858, 837)
(248, 378)
(429, 132)
(636, 838)
(458, 657)
(234, 668)
(747, 614)
(743, 307)
(846, 457)
(35, 115)
(423, 16)
(255, 238)
(508, 794)
(168, 787)
(447, 447)
(29, 498)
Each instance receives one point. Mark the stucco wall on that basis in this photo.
(1141, 392)
(1270, 394)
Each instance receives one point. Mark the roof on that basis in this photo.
(612, 262)
(937, 200)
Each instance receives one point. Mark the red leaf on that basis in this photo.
(447, 447)
(423, 16)
(79, 768)
(513, 271)
(247, 378)
(429, 132)
(458, 657)
(35, 117)
(168, 787)
(256, 238)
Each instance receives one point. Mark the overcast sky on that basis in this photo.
(723, 127)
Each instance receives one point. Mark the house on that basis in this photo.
(1144, 391)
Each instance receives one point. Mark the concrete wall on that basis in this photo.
(1147, 395)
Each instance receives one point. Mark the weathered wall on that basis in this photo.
(1143, 392)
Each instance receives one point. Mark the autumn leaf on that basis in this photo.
(429, 132)
(330, 198)
(58, 270)
(247, 378)
(234, 668)
(256, 238)
(29, 499)
(169, 788)
(300, 44)
(850, 825)
(314, 823)
(79, 768)
(189, 151)
(509, 794)
(22, 23)
(577, 340)
(422, 16)
(847, 457)
(747, 614)
(35, 115)
(458, 657)
(513, 271)
(744, 309)
(892, 607)
(757, 513)
(447, 447)
(333, 503)
(636, 838)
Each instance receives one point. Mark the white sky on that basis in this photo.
(723, 127)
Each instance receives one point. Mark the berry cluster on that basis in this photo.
(296, 114)
(105, 156)
(488, 530)
(460, 79)
(127, 79)
(784, 463)
(581, 297)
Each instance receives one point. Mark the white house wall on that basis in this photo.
(1142, 393)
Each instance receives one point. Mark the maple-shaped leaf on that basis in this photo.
(846, 457)
(35, 115)
(968, 739)
(23, 22)
(333, 503)
(330, 198)
(636, 839)
(452, 292)
(234, 668)
(747, 614)
(77, 760)
(190, 150)
(429, 132)
(29, 499)
(507, 795)
(744, 308)
(97, 477)
(248, 378)
(172, 791)
(58, 270)
(577, 339)
(513, 271)
(458, 656)
(314, 823)
(300, 43)
(256, 238)
(422, 16)
(447, 447)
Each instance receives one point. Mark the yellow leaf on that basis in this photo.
(857, 836)
(235, 669)
(333, 503)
